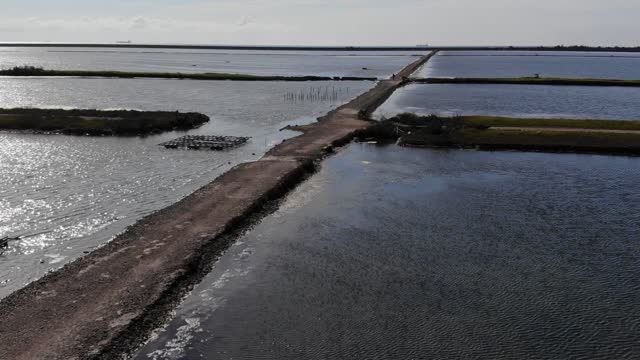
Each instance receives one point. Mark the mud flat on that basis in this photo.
(498, 133)
(105, 304)
(98, 122)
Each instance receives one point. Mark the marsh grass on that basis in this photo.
(494, 121)
(96, 122)
(525, 134)
(548, 140)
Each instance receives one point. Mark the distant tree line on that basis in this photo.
(581, 48)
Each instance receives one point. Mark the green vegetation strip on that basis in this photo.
(529, 81)
(98, 123)
(554, 135)
(493, 121)
(548, 140)
(35, 71)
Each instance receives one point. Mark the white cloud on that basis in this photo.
(139, 23)
(333, 22)
(244, 21)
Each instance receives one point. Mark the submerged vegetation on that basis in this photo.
(559, 135)
(98, 122)
(38, 71)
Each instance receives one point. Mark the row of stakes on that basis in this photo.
(316, 94)
(313, 94)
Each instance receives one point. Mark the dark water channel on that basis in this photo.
(255, 62)
(598, 65)
(394, 253)
(534, 101)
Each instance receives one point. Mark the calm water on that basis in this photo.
(67, 195)
(392, 253)
(516, 100)
(377, 64)
(527, 63)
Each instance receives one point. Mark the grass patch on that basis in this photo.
(476, 132)
(548, 140)
(494, 121)
(96, 122)
(36, 71)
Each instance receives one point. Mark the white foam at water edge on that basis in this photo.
(122, 109)
(175, 347)
(55, 258)
(66, 107)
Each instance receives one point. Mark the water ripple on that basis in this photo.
(67, 195)
(429, 254)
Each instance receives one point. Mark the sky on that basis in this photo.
(324, 22)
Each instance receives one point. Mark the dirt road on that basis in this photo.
(105, 304)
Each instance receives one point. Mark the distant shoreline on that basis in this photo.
(528, 81)
(30, 71)
(328, 48)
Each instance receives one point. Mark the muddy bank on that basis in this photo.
(98, 122)
(493, 133)
(105, 304)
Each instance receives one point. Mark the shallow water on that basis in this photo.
(528, 63)
(67, 195)
(393, 253)
(534, 101)
(286, 63)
